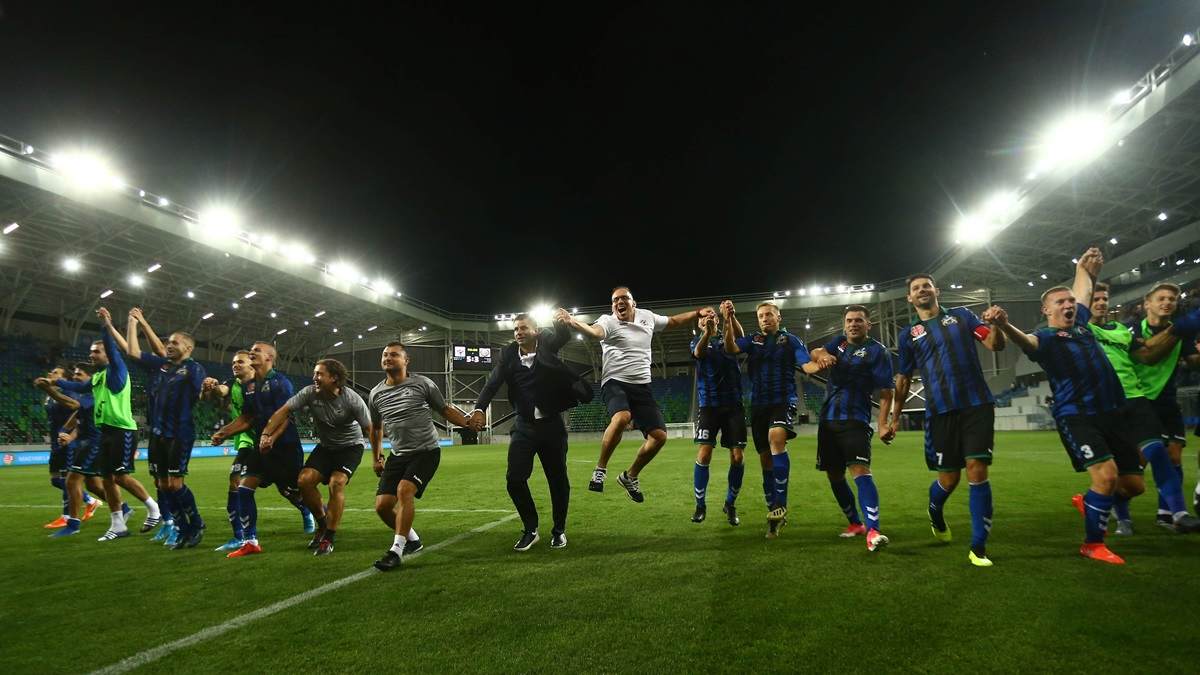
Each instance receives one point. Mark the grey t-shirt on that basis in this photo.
(339, 421)
(406, 412)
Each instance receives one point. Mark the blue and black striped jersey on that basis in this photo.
(718, 377)
(1081, 378)
(178, 390)
(772, 360)
(860, 371)
(943, 349)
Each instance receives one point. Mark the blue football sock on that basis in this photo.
(768, 485)
(231, 510)
(845, 500)
(87, 498)
(783, 467)
(1166, 478)
(868, 496)
(58, 482)
(1121, 506)
(937, 502)
(166, 504)
(700, 482)
(1095, 516)
(736, 473)
(248, 512)
(980, 501)
(187, 505)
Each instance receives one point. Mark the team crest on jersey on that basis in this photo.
(781, 340)
(917, 332)
(266, 387)
(759, 339)
(949, 320)
(249, 387)
(181, 370)
(643, 322)
(861, 352)
(1063, 333)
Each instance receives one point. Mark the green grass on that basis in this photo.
(639, 588)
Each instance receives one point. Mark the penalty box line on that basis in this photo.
(155, 653)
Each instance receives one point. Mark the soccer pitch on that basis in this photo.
(639, 587)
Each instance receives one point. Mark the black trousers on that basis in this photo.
(546, 438)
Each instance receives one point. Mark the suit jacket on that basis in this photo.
(555, 387)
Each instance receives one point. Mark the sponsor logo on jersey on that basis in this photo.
(759, 339)
(917, 332)
(1064, 334)
(842, 346)
(181, 370)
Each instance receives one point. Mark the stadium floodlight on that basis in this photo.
(153, 268)
(372, 328)
(840, 288)
(281, 331)
(164, 202)
(335, 329)
(219, 220)
(1073, 139)
(424, 328)
(1032, 175)
(191, 294)
(1074, 261)
(498, 317)
(828, 289)
(1122, 97)
(775, 294)
(574, 310)
(10, 228)
(338, 343)
(1187, 41)
(1113, 241)
(1162, 215)
(814, 290)
(344, 271)
(1044, 276)
(802, 291)
(72, 264)
(306, 322)
(384, 286)
(27, 150)
(1030, 283)
(137, 280)
(298, 252)
(868, 287)
(274, 315)
(142, 194)
(249, 295)
(398, 294)
(319, 314)
(234, 305)
(1196, 260)
(269, 243)
(1179, 262)
(578, 336)
(541, 314)
(106, 293)
(207, 316)
(807, 325)
(87, 170)
(360, 336)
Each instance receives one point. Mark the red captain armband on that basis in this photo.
(982, 333)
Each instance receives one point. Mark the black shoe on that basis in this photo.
(195, 537)
(318, 536)
(388, 562)
(731, 514)
(526, 542)
(1187, 524)
(700, 514)
(558, 540)
(631, 486)
(181, 540)
(326, 547)
(597, 482)
(1165, 520)
(411, 547)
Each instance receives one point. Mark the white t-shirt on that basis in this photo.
(626, 345)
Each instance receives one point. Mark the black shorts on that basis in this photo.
(841, 443)
(959, 435)
(85, 457)
(638, 400)
(168, 456)
(60, 457)
(327, 460)
(729, 420)
(763, 418)
(415, 467)
(239, 461)
(1170, 417)
(118, 448)
(280, 466)
(1091, 439)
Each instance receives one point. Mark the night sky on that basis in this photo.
(487, 157)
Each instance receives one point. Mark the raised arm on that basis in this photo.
(729, 339)
(710, 328)
(56, 394)
(996, 316)
(688, 318)
(155, 343)
(560, 332)
(1086, 271)
(595, 330)
(118, 374)
(132, 346)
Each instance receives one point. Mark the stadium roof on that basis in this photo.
(1136, 188)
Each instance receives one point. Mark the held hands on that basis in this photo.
(217, 438)
(266, 442)
(64, 438)
(823, 359)
(1091, 261)
(888, 433)
(209, 384)
(562, 316)
(727, 308)
(378, 466)
(42, 383)
(476, 420)
(135, 314)
(996, 315)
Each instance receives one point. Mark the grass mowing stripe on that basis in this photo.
(156, 653)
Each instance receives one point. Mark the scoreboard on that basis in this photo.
(472, 356)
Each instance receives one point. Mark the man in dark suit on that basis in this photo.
(540, 388)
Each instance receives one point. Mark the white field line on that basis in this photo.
(155, 653)
(281, 508)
